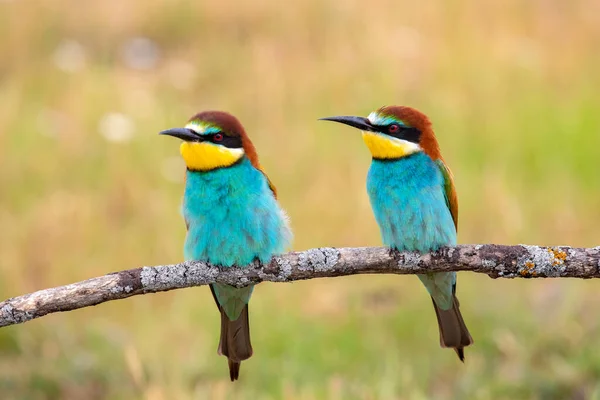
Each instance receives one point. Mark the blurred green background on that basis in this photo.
(88, 187)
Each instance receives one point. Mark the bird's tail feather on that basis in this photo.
(235, 341)
(453, 331)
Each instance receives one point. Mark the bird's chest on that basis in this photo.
(232, 217)
(409, 204)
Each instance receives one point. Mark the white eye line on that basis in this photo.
(195, 127)
(373, 117)
(381, 120)
(238, 151)
(200, 128)
(377, 119)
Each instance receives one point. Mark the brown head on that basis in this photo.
(393, 132)
(213, 139)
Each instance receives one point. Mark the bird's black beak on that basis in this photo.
(356, 122)
(182, 133)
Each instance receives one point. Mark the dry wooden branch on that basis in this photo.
(497, 261)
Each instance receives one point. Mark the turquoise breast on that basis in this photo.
(233, 217)
(409, 203)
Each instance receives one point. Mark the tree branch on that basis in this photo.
(497, 261)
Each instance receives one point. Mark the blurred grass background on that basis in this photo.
(87, 187)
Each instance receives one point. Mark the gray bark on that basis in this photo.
(497, 261)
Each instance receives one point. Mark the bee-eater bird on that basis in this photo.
(414, 201)
(232, 216)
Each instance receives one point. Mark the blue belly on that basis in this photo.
(233, 217)
(409, 204)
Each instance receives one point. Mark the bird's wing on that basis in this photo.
(449, 191)
(271, 186)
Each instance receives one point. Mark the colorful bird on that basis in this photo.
(414, 201)
(232, 216)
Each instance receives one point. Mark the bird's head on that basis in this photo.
(213, 139)
(393, 132)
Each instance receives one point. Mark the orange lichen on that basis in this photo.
(558, 256)
(527, 270)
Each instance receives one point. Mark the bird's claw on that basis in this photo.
(392, 252)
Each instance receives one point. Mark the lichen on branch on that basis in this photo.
(497, 261)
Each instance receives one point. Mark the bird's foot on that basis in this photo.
(392, 252)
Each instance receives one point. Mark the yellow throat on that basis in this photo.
(205, 156)
(387, 147)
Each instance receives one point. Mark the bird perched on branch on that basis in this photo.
(232, 216)
(414, 201)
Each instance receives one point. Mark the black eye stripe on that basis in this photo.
(407, 133)
(232, 142)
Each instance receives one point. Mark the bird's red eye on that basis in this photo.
(394, 128)
(218, 137)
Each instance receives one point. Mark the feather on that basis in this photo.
(449, 190)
